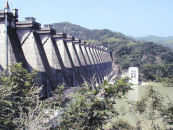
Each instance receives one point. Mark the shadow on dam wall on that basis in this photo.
(67, 63)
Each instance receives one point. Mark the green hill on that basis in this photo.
(127, 51)
(86, 34)
(165, 41)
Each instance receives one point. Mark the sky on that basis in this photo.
(131, 17)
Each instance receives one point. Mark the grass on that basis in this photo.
(125, 107)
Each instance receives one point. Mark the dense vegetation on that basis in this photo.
(152, 108)
(127, 51)
(18, 95)
(90, 107)
(87, 108)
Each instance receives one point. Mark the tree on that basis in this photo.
(18, 93)
(91, 107)
(151, 107)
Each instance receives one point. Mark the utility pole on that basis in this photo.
(6, 34)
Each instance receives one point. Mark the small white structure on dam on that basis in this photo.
(134, 75)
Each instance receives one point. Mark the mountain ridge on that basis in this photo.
(79, 31)
(127, 51)
(93, 34)
(165, 41)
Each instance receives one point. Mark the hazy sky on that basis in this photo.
(131, 17)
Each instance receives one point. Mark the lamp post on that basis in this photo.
(6, 34)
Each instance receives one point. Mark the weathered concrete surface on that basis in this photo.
(94, 65)
(54, 58)
(97, 57)
(58, 58)
(105, 61)
(81, 59)
(35, 54)
(68, 44)
(101, 65)
(15, 53)
(86, 68)
(78, 53)
(89, 68)
(67, 61)
(108, 62)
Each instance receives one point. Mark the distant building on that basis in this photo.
(133, 74)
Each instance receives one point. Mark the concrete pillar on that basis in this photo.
(80, 58)
(96, 62)
(106, 54)
(111, 60)
(84, 60)
(35, 54)
(71, 51)
(89, 67)
(111, 63)
(98, 57)
(103, 61)
(61, 39)
(15, 53)
(108, 61)
(93, 61)
(54, 58)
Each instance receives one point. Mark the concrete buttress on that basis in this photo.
(54, 58)
(89, 67)
(64, 53)
(72, 55)
(93, 63)
(10, 38)
(35, 54)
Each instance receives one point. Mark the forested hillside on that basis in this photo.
(127, 51)
(165, 41)
(87, 34)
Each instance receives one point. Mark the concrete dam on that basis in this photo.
(57, 57)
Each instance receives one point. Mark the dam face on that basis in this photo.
(58, 58)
